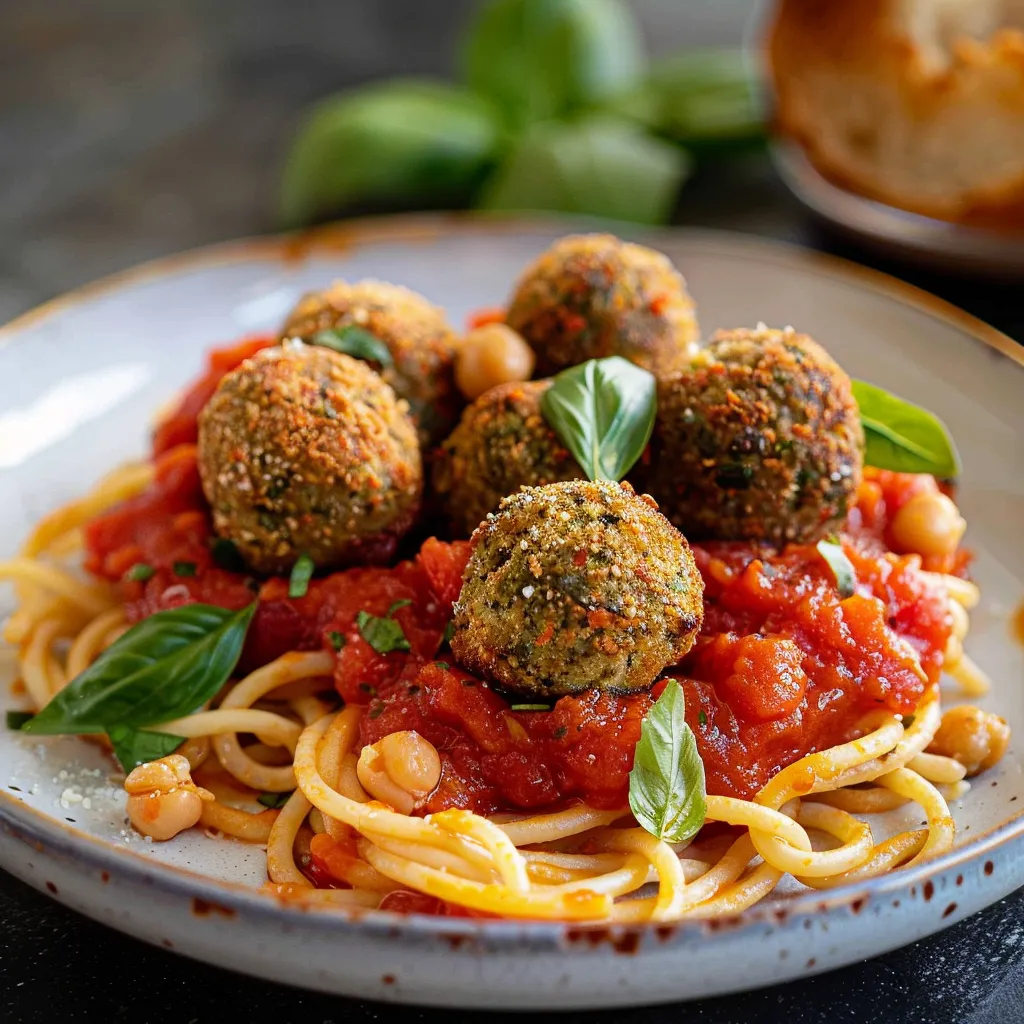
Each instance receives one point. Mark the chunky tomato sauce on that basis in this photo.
(783, 665)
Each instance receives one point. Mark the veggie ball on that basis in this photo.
(591, 296)
(760, 439)
(575, 586)
(306, 451)
(502, 443)
(416, 334)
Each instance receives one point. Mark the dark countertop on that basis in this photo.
(128, 131)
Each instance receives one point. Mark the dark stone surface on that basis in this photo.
(129, 130)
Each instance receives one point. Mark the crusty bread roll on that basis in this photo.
(917, 103)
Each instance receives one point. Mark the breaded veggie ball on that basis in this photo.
(591, 296)
(576, 586)
(416, 333)
(502, 443)
(306, 451)
(760, 439)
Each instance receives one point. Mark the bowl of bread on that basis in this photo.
(903, 121)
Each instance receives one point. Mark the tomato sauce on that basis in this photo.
(783, 666)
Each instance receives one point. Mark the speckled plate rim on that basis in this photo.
(38, 830)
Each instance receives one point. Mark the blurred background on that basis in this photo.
(129, 130)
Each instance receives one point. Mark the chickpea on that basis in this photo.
(401, 770)
(490, 355)
(929, 524)
(975, 738)
(162, 798)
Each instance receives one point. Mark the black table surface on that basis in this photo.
(127, 131)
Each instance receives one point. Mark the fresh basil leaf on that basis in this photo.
(902, 436)
(302, 573)
(355, 341)
(166, 666)
(226, 555)
(707, 99)
(449, 632)
(133, 747)
(184, 569)
(703, 718)
(400, 141)
(16, 719)
(274, 801)
(841, 566)
(603, 167)
(336, 639)
(384, 635)
(539, 59)
(140, 572)
(667, 792)
(401, 603)
(529, 707)
(443, 665)
(603, 412)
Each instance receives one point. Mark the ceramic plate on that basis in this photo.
(79, 382)
(899, 233)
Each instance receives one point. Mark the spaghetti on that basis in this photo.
(574, 864)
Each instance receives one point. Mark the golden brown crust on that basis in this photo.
(897, 104)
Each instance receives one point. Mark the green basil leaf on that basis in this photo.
(603, 412)
(667, 793)
(384, 635)
(707, 99)
(133, 747)
(226, 555)
(603, 167)
(140, 572)
(336, 639)
(166, 666)
(184, 569)
(355, 341)
(443, 665)
(414, 142)
(449, 632)
(302, 573)
(401, 603)
(841, 566)
(530, 707)
(16, 719)
(902, 436)
(546, 58)
(274, 801)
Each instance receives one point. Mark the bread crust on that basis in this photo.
(886, 110)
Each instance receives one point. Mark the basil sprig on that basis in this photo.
(902, 436)
(841, 566)
(165, 667)
(667, 792)
(603, 412)
(355, 341)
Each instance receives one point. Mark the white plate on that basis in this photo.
(79, 382)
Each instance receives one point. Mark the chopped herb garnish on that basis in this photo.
(449, 632)
(140, 572)
(384, 635)
(702, 718)
(395, 605)
(302, 573)
(561, 732)
(226, 555)
(530, 707)
(842, 568)
(184, 568)
(443, 665)
(376, 711)
(355, 341)
(336, 639)
(16, 719)
(274, 800)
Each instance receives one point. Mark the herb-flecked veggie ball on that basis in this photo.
(502, 443)
(415, 332)
(306, 451)
(591, 296)
(760, 439)
(576, 586)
